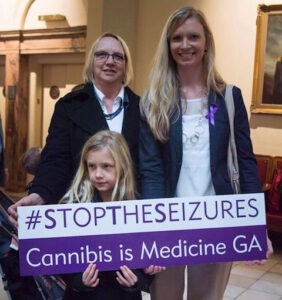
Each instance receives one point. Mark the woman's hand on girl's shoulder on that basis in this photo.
(126, 277)
(152, 270)
(90, 276)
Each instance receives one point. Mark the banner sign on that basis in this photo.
(165, 232)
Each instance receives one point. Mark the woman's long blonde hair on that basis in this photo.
(160, 101)
(82, 190)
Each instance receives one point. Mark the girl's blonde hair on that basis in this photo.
(88, 72)
(82, 190)
(161, 100)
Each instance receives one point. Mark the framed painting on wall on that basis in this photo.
(267, 80)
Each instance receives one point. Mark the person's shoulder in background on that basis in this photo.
(30, 160)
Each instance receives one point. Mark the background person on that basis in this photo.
(183, 153)
(105, 174)
(105, 102)
(30, 160)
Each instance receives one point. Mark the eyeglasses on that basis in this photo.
(103, 56)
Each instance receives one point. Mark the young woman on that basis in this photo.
(183, 152)
(105, 174)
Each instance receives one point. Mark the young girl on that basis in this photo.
(105, 174)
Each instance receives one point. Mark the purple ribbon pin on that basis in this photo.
(210, 115)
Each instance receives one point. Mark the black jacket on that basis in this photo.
(77, 116)
(160, 163)
(107, 289)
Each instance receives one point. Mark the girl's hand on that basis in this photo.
(90, 276)
(152, 270)
(126, 277)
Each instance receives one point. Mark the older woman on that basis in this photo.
(182, 153)
(105, 102)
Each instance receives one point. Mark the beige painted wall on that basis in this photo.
(75, 12)
(68, 73)
(234, 26)
(23, 14)
(113, 16)
(94, 22)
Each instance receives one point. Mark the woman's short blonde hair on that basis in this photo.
(88, 72)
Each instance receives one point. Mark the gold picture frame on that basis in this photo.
(267, 80)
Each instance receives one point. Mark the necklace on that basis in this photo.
(114, 114)
(198, 131)
(198, 128)
(123, 105)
